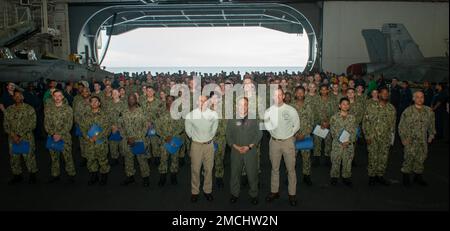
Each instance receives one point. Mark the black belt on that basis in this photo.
(281, 139)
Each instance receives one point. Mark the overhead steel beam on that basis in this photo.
(200, 21)
(189, 17)
(285, 18)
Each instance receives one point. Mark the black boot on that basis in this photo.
(272, 196)
(15, 179)
(347, 182)
(156, 161)
(382, 181)
(145, 182)
(103, 178)
(128, 181)
(327, 161)
(406, 180)
(32, 179)
(419, 179)
(244, 181)
(93, 178)
(233, 199)
(173, 179)
(219, 182)
(307, 180)
(162, 180)
(371, 180)
(114, 162)
(181, 161)
(53, 179)
(292, 200)
(71, 179)
(316, 161)
(83, 162)
(333, 181)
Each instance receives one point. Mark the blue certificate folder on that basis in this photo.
(358, 132)
(94, 131)
(115, 136)
(138, 148)
(174, 145)
(305, 144)
(216, 146)
(78, 131)
(54, 146)
(23, 147)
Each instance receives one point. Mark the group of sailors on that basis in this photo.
(134, 121)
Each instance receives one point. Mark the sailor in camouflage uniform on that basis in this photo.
(96, 146)
(167, 128)
(98, 92)
(19, 123)
(220, 140)
(342, 153)
(306, 122)
(115, 107)
(133, 126)
(151, 105)
(379, 130)
(357, 110)
(356, 107)
(192, 105)
(335, 94)
(78, 97)
(80, 108)
(416, 130)
(58, 123)
(323, 109)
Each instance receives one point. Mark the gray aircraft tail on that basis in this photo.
(403, 49)
(393, 44)
(377, 46)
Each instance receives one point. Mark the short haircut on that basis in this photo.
(300, 88)
(344, 99)
(57, 90)
(323, 85)
(170, 96)
(95, 97)
(350, 89)
(383, 89)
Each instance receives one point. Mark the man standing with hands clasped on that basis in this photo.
(243, 134)
(201, 126)
(282, 122)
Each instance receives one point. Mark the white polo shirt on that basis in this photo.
(201, 126)
(281, 122)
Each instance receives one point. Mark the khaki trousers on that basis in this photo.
(201, 154)
(285, 149)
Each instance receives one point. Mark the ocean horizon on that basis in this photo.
(204, 69)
